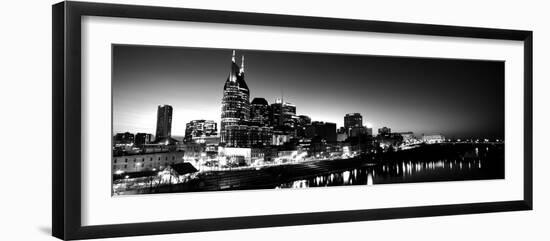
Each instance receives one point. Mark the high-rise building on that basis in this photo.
(237, 128)
(301, 122)
(322, 130)
(235, 100)
(283, 117)
(235, 107)
(143, 138)
(164, 123)
(353, 120)
(200, 128)
(259, 112)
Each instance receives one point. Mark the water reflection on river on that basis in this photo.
(405, 172)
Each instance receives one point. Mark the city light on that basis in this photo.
(265, 143)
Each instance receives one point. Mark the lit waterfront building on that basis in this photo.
(198, 130)
(408, 137)
(432, 139)
(145, 162)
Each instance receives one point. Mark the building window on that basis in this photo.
(125, 159)
(115, 160)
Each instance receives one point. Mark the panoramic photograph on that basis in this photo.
(207, 119)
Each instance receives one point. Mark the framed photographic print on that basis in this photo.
(169, 120)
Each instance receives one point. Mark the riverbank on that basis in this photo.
(485, 161)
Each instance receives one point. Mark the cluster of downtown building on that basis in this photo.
(252, 133)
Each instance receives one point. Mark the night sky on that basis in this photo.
(456, 98)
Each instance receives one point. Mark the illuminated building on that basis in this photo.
(198, 130)
(279, 138)
(145, 162)
(283, 116)
(432, 139)
(235, 156)
(259, 136)
(164, 124)
(408, 137)
(353, 124)
(259, 112)
(235, 107)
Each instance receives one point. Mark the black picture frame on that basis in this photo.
(66, 127)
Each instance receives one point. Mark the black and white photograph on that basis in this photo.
(275, 120)
(207, 119)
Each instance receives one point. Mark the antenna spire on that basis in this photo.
(233, 57)
(242, 64)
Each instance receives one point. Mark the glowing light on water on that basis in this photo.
(346, 177)
(299, 184)
(370, 181)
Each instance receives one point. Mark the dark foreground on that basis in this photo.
(431, 163)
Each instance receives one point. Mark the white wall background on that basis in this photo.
(25, 99)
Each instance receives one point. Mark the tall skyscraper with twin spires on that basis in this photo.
(236, 95)
(236, 129)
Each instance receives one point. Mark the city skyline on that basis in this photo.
(458, 98)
